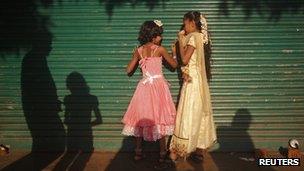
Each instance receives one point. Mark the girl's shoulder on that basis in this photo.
(193, 35)
(197, 35)
(153, 47)
(137, 48)
(194, 38)
(159, 49)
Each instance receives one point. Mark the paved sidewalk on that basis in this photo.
(99, 161)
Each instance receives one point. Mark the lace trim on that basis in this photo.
(149, 133)
(179, 146)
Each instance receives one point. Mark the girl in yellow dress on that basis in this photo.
(194, 127)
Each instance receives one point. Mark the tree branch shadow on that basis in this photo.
(273, 10)
(110, 5)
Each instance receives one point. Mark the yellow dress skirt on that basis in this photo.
(194, 126)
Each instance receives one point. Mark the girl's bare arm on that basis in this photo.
(163, 52)
(133, 62)
(187, 51)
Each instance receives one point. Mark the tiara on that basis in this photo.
(158, 23)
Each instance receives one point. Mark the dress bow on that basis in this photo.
(150, 78)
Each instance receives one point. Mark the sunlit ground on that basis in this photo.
(20, 160)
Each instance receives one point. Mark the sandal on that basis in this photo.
(197, 158)
(163, 162)
(138, 155)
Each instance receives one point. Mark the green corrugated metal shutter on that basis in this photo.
(257, 86)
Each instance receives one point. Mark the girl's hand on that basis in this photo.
(173, 48)
(181, 34)
(187, 78)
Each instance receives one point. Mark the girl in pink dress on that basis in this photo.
(151, 112)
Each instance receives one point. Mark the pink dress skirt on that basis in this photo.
(151, 112)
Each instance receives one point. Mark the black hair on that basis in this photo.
(182, 27)
(196, 17)
(148, 31)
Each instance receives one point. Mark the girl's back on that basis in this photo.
(149, 62)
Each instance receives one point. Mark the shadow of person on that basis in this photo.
(235, 144)
(78, 109)
(236, 137)
(40, 106)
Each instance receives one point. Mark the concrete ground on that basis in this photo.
(100, 160)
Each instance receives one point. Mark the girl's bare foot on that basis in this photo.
(138, 155)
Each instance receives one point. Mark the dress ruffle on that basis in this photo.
(149, 133)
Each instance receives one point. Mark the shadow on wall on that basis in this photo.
(20, 19)
(236, 140)
(19, 22)
(79, 106)
(273, 10)
(236, 137)
(41, 106)
(111, 4)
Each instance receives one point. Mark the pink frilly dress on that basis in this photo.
(151, 112)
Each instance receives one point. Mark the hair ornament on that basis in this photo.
(203, 21)
(158, 23)
(204, 28)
